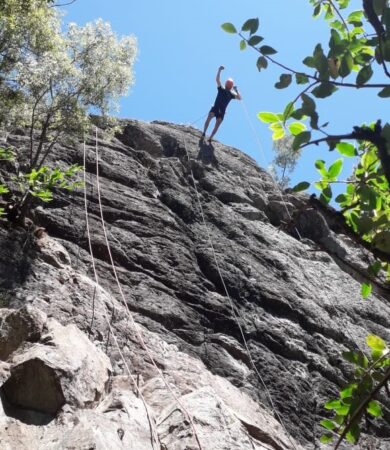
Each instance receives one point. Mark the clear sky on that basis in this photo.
(181, 44)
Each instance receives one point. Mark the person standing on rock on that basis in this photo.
(221, 102)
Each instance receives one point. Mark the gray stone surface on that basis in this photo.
(298, 302)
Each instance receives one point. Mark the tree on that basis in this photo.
(284, 162)
(358, 49)
(50, 80)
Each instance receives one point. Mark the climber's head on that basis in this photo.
(229, 84)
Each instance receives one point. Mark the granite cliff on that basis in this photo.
(200, 269)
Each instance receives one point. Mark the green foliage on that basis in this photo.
(50, 78)
(371, 373)
(42, 183)
(229, 28)
(356, 53)
(6, 154)
(366, 289)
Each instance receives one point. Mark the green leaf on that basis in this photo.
(366, 289)
(375, 268)
(357, 358)
(332, 404)
(3, 189)
(384, 93)
(267, 50)
(300, 139)
(364, 75)
(261, 63)
(320, 166)
(328, 424)
(284, 81)
(296, 128)
(317, 10)
(355, 16)
(278, 130)
(301, 78)
(346, 65)
(325, 89)
(335, 169)
(326, 438)
(308, 104)
(348, 391)
(229, 28)
(242, 44)
(346, 149)
(251, 25)
(288, 111)
(341, 198)
(326, 197)
(353, 433)
(302, 186)
(320, 60)
(254, 40)
(343, 410)
(267, 117)
(376, 343)
(309, 62)
(374, 408)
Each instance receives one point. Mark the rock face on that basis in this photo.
(192, 264)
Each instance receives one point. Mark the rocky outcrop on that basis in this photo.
(297, 301)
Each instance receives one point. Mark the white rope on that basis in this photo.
(154, 435)
(332, 304)
(265, 162)
(137, 330)
(230, 300)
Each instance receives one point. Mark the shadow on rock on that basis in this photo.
(15, 257)
(207, 153)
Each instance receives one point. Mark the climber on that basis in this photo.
(222, 100)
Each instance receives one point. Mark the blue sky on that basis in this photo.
(181, 45)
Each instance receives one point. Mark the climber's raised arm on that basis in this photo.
(218, 78)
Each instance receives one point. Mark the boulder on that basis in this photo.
(63, 367)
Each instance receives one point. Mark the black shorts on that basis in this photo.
(218, 112)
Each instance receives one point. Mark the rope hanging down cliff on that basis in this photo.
(233, 309)
(129, 314)
(154, 436)
(338, 314)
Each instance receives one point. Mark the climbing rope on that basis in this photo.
(135, 327)
(265, 161)
(332, 304)
(233, 309)
(154, 435)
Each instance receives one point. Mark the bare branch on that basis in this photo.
(62, 4)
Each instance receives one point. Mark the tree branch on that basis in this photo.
(313, 77)
(62, 4)
(364, 134)
(340, 16)
(298, 97)
(362, 406)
